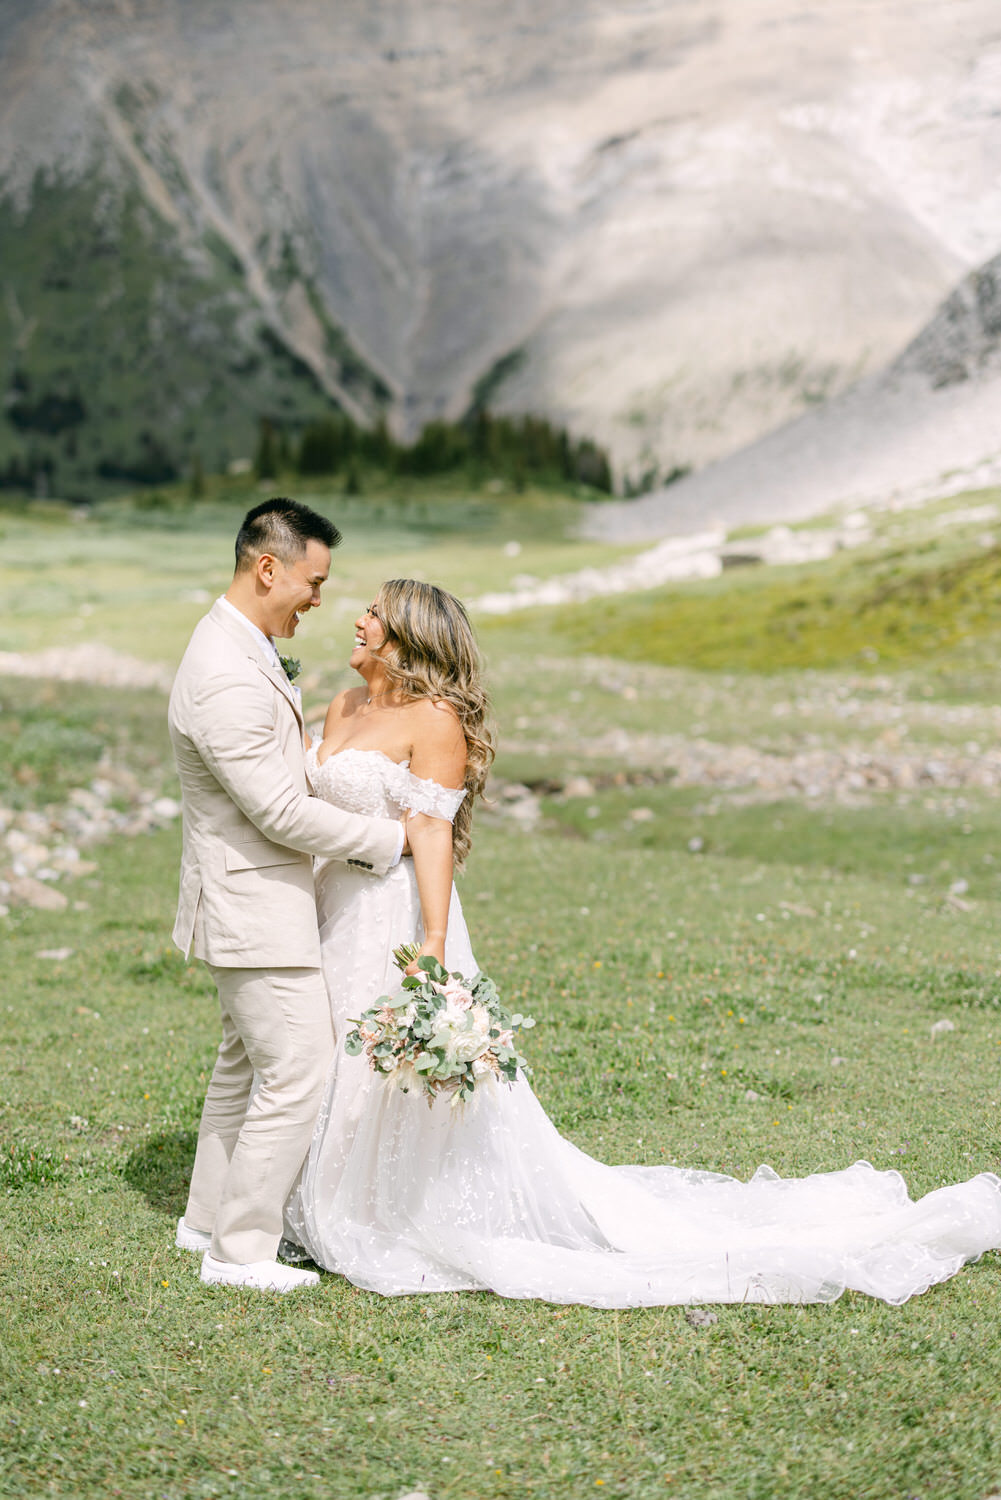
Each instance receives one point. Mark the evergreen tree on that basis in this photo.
(266, 457)
(196, 483)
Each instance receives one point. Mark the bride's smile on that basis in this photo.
(370, 636)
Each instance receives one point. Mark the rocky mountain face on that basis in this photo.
(928, 425)
(671, 224)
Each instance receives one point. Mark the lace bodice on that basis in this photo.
(368, 782)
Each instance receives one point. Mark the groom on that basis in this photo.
(246, 894)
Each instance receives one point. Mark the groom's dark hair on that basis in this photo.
(281, 528)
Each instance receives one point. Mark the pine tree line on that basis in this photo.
(514, 448)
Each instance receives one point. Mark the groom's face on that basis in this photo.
(295, 587)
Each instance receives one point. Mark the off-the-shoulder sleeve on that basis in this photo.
(425, 796)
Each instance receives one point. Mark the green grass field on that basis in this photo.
(804, 953)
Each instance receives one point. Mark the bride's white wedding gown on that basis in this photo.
(400, 1198)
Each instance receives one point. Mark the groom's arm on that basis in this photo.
(232, 727)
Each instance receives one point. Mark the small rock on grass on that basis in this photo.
(700, 1317)
(56, 955)
(26, 891)
(939, 1028)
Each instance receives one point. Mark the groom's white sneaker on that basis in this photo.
(191, 1239)
(263, 1275)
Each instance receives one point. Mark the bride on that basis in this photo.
(399, 1197)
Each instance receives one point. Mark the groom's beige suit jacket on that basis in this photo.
(250, 824)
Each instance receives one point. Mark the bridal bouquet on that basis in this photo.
(442, 1035)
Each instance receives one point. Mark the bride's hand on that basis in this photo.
(432, 947)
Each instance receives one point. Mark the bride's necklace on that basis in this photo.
(374, 696)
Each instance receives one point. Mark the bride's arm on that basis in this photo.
(438, 754)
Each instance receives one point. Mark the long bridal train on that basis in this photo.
(400, 1198)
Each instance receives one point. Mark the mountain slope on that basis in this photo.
(929, 424)
(672, 225)
(132, 351)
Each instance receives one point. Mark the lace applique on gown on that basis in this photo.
(401, 1198)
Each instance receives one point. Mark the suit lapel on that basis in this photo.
(281, 682)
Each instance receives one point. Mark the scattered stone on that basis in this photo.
(675, 557)
(696, 845)
(941, 1028)
(700, 1317)
(514, 791)
(56, 955)
(85, 799)
(752, 1096)
(579, 786)
(959, 888)
(845, 774)
(836, 1061)
(86, 663)
(77, 868)
(40, 846)
(29, 859)
(526, 813)
(642, 815)
(26, 891)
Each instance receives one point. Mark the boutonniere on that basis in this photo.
(291, 666)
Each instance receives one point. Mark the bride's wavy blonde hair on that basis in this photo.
(431, 652)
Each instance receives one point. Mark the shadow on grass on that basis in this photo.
(161, 1169)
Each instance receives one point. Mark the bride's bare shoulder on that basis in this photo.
(437, 714)
(438, 748)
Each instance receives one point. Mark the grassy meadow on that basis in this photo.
(680, 946)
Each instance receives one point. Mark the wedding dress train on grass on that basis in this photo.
(400, 1198)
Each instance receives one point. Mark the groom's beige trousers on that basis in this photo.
(275, 1023)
